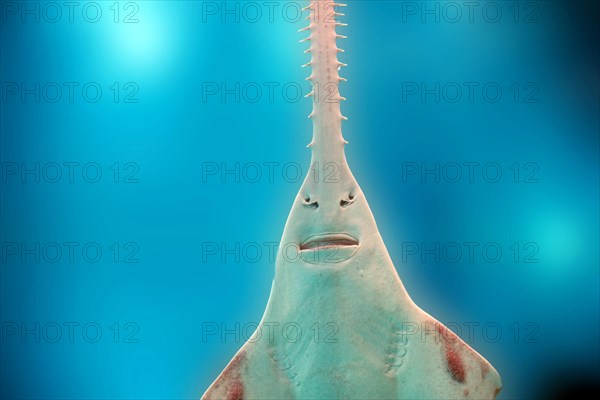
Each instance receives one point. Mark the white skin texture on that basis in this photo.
(352, 330)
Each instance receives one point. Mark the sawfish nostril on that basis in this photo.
(345, 203)
(308, 203)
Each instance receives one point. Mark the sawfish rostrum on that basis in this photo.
(339, 323)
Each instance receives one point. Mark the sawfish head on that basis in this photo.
(330, 225)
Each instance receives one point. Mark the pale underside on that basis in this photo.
(339, 324)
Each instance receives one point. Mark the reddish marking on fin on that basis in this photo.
(496, 392)
(236, 391)
(454, 362)
(466, 392)
(455, 365)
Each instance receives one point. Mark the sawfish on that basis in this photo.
(339, 323)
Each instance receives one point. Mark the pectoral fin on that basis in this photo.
(439, 365)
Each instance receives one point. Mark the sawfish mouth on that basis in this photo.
(328, 248)
(328, 240)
